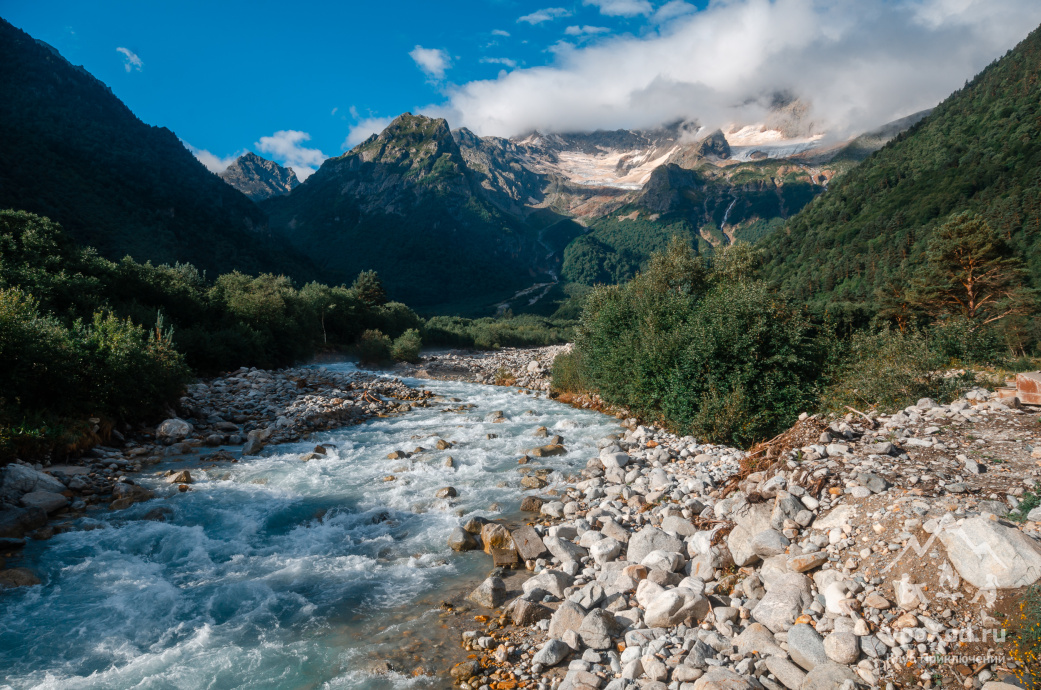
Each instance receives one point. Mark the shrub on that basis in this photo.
(406, 347)
(374, 347)
(889, 370)
(704, 351)
(567, 373)
(56, 377)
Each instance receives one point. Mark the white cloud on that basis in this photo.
(586, 30)
(856, 64)
(507, 62)
(334, 111)
(364, 129)
(433, 61)
(131, 62)
(546, 15)
(213, 162)
(285, 147)
(500, 32)
(621, 8)
(673, 9)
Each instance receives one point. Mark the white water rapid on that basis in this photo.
(277, 573)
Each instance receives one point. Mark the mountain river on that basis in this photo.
(277, 573)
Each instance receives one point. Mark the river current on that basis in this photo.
(277, 573)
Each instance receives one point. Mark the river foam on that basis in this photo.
(278, 573)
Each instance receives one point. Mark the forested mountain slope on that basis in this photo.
(979, 151)
(74, 152)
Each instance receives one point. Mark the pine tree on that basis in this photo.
(972, 273)
(369, 289)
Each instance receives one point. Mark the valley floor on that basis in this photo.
(878, 551)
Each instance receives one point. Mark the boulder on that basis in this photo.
(526, 612)
(722, 679)
(674, 524)
(446, 492)
(16, 480)
(609, 460)
(531, 504)
(789, 675)
(465, 670)
(528, 543)
(15, 521)
(568, 616)
(988, 554)
(739, 543)
(125, 495)
(757, 638)
(461, 540)
(174, 429)
(842, 647)
(829, 676)
(495, 536)
(552, 581)
(806, 647)
(674, 606)
(768, 543)
(605, 550)
(566, 551)
(547, 451)
(789, 594)
(651, 539)
(490, 594)
(597, 628)
(182, 477)
(252, 446)
(47, 501)
(17, 577)
(551, 653)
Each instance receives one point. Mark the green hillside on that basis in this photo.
(708, 206)
(405, 204)
(979, 151)
(74, 152)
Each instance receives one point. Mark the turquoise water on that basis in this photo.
(277, 573)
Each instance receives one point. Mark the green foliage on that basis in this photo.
(369, 289)
(374, 347)
(707, 350)
(109, 368)
(73, 152)
(406, 347)
(237, 320)
(567, 373)
(1027, 502)
(525, 330)
(971, 274)
(415, 213)
(889, 370)
(977, 152)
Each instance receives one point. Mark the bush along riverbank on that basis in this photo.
(858, 551)
(222, 420)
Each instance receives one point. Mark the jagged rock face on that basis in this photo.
(497, 164)
(259, 178)
(413, 159)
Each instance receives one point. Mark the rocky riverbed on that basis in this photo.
(865, 551)
(870, 551)
(220, 420)
(528, 368)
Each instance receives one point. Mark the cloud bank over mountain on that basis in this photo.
(856, 64)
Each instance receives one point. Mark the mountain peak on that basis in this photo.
(259, 178)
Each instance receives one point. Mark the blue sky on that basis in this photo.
(224, 74)
(298, 82)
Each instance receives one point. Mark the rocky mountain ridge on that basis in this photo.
(259, 178)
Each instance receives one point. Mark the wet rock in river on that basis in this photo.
(490, 594)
